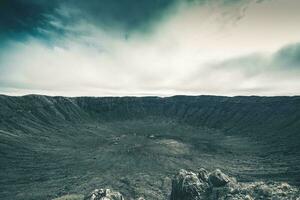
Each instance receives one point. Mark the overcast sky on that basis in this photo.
(150, 47)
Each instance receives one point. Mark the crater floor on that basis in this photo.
(45, 152)
(138, 157)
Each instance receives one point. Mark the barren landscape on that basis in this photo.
(54, 146)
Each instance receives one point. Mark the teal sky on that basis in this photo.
(149, 47)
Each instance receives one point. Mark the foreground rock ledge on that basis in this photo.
(204, 185)
(216, 185)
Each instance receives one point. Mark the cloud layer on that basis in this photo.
(161, 48)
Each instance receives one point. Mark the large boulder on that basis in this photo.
(187, 186)
(202, 174)
(218, 179)
(104, 194)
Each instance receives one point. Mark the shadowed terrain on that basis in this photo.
(52, 146)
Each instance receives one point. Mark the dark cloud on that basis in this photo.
(288, 56)
(33, 17)
(124, 14)
(19, 18)
(285, 59)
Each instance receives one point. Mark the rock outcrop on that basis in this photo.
(104, 194)
(216, 185)
(187, 186)
(204, 185)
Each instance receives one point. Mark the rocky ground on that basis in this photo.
(204, 185)
(216, 185)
